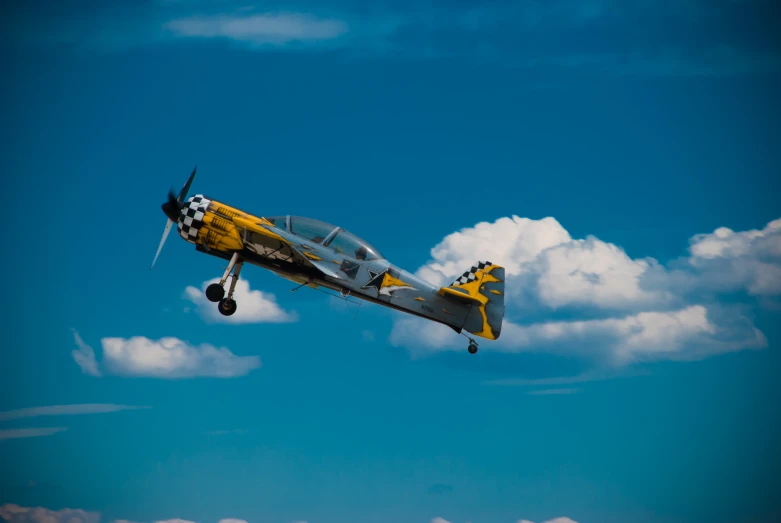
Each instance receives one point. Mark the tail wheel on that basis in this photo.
(227, 306)
(472, 348)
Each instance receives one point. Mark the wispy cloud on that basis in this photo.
(254, 306)
(553, 392)
(676, 38)
(596, 375)
(30, 432)
(272, 29)
(84, 356)
(65, 410)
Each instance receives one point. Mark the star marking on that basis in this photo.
(375, 279)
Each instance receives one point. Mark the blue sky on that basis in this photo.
(620, 159)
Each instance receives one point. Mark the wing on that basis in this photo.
(263, 239)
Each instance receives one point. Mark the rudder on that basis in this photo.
(484, 282)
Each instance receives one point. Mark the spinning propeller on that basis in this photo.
(172, 208)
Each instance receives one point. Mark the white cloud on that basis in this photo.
(167, 357)
(546, 265)
(510, 242)
(173, 358)
(592, 273)
(727, 260)
(275, 29)
(30, 432)
(85, 356)
(630, 309)
(439, 520)
(253, 306)
(65, 410)
(687, 333)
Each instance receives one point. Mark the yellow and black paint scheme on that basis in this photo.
(473, 303)
(485, 294)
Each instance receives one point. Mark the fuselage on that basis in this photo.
(314, 253)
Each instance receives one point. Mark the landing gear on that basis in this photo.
(227, 306)
(472, 344)
(216, 291)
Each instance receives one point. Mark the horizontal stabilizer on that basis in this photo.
(458, 294)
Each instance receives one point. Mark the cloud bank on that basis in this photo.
(17, 514)
(618, 309)
(253, 306)
(170, 358)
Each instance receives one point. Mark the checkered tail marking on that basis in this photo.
(191, 218)
(471, 274)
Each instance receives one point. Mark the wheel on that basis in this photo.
(227, 307)
(472, 348)
(215, 292)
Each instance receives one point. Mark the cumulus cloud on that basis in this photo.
(30, 432)
(253, 306)
(172, 358)
(726, 260)
(273, 29)
(546, 264)
(646, 311)
(167, 357)
(65, 410)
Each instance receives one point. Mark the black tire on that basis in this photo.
(227, 307)
(215, 292)
(472, 348)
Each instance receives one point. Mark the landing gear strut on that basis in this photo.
(216, 291)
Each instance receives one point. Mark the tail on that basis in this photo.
(483, 286)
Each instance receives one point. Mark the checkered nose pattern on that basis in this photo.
(471, 274)
(191, 219)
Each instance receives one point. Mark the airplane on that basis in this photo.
(316, 254)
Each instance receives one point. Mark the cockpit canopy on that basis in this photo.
(328, 235)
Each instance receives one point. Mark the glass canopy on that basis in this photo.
(339, 240)
(349, 244)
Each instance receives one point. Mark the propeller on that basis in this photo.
(172, 208)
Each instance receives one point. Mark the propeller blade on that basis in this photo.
(186, 188)
(172, 207)
(162, 241)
